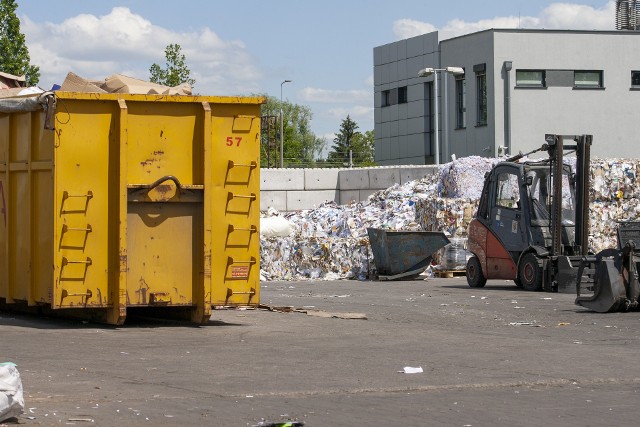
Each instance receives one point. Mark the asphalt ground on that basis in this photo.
(496, 356)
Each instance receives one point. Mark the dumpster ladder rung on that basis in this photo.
(251, 165)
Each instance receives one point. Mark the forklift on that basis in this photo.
(532, 221)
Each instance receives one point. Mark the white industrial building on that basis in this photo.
(517, 85)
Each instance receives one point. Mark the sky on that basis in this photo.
(250, 47)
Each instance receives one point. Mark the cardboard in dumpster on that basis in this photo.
(119, 83)
(9, 81)
(75, 83)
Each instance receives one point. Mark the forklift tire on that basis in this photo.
(530, 273)
(475, 278)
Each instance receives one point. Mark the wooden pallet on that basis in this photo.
(448, 274)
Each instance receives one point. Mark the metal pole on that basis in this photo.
(436, 144)
(445, 120)
(282, 127)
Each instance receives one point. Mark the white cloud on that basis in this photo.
(327, 96)
(569, 16)
(123, 42)
(355, 112)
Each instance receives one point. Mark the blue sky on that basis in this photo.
(251, 46)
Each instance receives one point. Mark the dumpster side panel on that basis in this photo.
(5, 121)
(85, 211)
(236, 205)
(25, 207)
(42, 210)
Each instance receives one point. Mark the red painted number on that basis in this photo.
(230, 140)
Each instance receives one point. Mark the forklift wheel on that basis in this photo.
(530, 273)
(475, 278)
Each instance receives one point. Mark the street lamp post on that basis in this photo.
(426, 72)
(282, 127)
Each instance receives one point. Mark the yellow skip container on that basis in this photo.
(115, 201)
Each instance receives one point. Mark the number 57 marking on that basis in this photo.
(230, 140)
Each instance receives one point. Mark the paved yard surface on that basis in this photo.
(496, 356)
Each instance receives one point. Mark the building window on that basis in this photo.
(402, 95)
(394, 96)
(481, 98)
(635, 79)
(530, 78)
(386, 98)
(461, 102)
(587, 79)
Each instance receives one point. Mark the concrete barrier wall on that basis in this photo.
(297, 189)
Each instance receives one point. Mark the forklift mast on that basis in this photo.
(556, 149)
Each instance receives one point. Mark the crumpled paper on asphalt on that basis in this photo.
(330, 242)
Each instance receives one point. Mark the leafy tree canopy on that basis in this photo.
(301, 146)
(176, 71)
(14, 54)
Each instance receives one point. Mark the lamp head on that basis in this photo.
(456, 71)
(426, 72)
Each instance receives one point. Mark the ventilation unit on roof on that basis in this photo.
(627, 14)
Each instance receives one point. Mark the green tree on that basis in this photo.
(363, 147)
(301, 146)
(14, 54)
(176, 72)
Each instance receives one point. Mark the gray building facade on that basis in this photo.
(517, 86)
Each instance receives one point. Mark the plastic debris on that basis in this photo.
(411, 370)
(11, 393)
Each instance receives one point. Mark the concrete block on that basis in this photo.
(273, 199)
(382, 178)
(413, 173)
(354, 179)
(347, 196)
(321, 179)
(298, 200)
(281, 179)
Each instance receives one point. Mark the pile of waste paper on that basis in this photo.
(330, 242)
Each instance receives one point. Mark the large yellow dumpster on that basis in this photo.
(131, 201)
